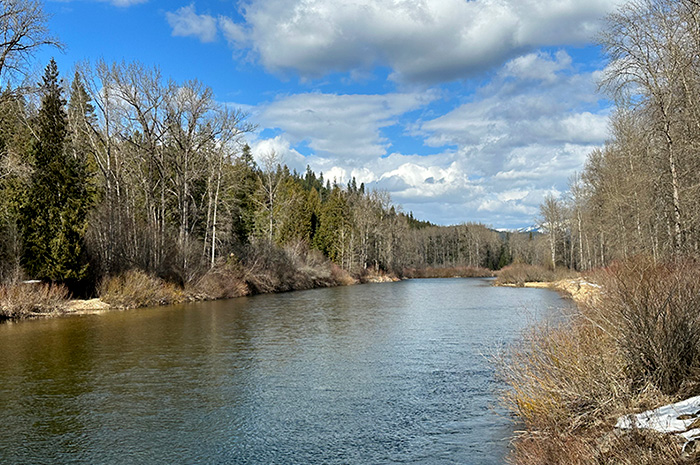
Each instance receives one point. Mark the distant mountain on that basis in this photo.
(527, 229)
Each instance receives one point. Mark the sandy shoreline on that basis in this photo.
(577, 289)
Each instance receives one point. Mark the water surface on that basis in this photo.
(373, 374)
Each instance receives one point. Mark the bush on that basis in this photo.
(447, 272)
(655, 309)
(29, 299)
(269, 268)
(135, 289)
(224, 281)
(634, 348)
(520, 273)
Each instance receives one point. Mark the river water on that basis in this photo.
(372, 374)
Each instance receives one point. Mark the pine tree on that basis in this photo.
(54, 216)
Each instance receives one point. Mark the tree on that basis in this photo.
(15, 141)
(54, 215)
(653, 47)
(552, 221)
(268, 196)
(22, 32)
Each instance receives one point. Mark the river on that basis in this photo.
(373, 374)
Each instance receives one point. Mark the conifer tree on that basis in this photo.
(54, 216)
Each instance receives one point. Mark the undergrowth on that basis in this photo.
(520, 273)
(448, 272)
(25, 300)
(634, 348)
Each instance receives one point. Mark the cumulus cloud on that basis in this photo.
(513, 123)
(519, 138)
(185, 22)
(343, 127)
(423, 41)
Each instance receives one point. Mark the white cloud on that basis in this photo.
(283, 150)
(343, 127)
(186, 22)
(234, 33)
(519, 138)
(421, 40)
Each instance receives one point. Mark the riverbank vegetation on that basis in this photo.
(634, 347)
(518, 274)
(32, 299)
(121, 180)
(631, 222)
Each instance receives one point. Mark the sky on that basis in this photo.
(464, 111)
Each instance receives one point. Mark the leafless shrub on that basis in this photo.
(224, 281)
(655, 308)
(24, 300)
(448, 272)
(269, 268)
(521, 273)
(633, 349)
(135, 289)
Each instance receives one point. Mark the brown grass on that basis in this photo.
(135, 289)
(448, 272)
(635, 348)
(520, 273)
(224, 281)
(27, 300)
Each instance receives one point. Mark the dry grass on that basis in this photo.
(135, 289)
(224, 281)
(448, 272)
(635, 348)
(27, 300)
(520, 273)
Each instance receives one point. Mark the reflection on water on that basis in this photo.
(373, 374)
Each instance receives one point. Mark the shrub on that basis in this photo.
(135, 289)
(521, 273)
(224, 281)
(269, 268)
(655, 309)
(29, 299)
(563, 378)
(634, 348)
(447, 272)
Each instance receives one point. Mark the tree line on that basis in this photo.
(639, 193)
(123, 169)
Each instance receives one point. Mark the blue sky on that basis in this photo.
(461, 110)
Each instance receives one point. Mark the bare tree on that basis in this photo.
(23, 31)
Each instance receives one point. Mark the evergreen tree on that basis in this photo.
(332, 232)
(243, 214)
(54, 216)
(15, 140)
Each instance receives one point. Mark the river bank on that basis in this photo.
(577, 289)
(134, 289)
(631, 346)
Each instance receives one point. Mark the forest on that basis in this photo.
(121, 183)
(631, 223)
(639, 193)
(120, 169)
